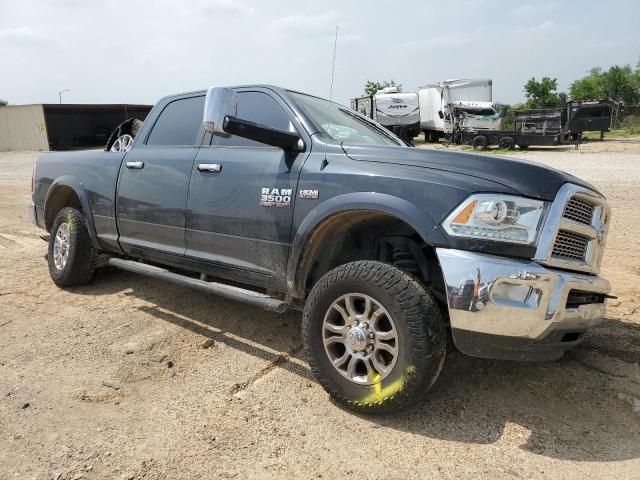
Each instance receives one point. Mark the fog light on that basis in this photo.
(516, 295)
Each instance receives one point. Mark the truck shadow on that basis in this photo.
(563, 409)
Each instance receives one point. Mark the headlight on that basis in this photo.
(501, 218)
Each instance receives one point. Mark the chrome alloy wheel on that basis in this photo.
(61, 246)
(360, 338)
(122, 144)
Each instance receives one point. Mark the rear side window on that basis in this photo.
(179, 123)
(259, 108)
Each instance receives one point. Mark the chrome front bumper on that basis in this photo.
(504, 308)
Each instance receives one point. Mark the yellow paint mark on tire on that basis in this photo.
(379, 393)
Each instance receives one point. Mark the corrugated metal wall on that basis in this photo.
(22, 127)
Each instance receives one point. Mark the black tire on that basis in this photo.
(421, 337)
(431, 137)
(479, 142)
(131, 126)
(136, 126)
(506, 143)
(82, 257)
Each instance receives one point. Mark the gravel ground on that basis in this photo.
(134, 378)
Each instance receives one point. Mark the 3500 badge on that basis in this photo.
(276, 197)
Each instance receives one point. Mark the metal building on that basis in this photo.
(62, 126)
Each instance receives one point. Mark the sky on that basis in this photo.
(130, 51)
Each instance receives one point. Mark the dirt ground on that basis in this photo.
(119, 379)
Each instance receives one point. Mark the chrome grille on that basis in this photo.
(579, 211)
(570, 246)
(575, 231)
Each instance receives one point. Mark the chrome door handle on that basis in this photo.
(209, 167)
(135, 165)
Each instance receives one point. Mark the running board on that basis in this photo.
(228, 291)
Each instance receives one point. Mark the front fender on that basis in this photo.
(74, 184)
(393, 206)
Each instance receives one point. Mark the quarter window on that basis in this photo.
(179, 123)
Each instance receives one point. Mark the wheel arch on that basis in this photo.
(67, 191)
(342, 212)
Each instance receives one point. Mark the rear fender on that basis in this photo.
(81, 193)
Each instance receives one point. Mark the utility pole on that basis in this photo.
(60, 94)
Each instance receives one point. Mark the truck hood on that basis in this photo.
(530, 179)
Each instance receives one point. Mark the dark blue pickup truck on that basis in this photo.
(285, 200)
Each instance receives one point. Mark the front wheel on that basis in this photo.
(479, 142)
(374, 337)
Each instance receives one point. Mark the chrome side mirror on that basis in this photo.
(220, 102)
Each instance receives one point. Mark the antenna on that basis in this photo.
(333, 72)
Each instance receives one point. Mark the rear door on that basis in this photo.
(154, 180)
(242, 193)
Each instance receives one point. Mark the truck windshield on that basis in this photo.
(345, 126)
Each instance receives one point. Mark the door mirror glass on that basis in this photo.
(220, 102)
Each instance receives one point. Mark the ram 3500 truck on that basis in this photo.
(283, 200)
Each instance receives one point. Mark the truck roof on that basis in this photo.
(274, 88)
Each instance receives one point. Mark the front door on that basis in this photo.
(241, 197)
(154, 180)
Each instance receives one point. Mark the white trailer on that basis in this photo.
(440, 103)
(397, 111)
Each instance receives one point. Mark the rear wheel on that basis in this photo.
(71, 256)
(479, 142)
(122, 144)
(374, 336)
(506, 143)
(121, 139)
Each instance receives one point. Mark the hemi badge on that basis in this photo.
(309, 194)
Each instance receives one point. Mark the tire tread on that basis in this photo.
(418, 309)
(83, 258)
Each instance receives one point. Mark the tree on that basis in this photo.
(621, 84)
(371, 88)
(543, 94)
(3, 103)
(589, 87)
(617, 83)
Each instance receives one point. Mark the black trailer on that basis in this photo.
(506, 140)
(542, 127)
(540, 121)
(589, 116)
(575, 118)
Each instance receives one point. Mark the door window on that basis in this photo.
(260, 108)
(179, 123)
